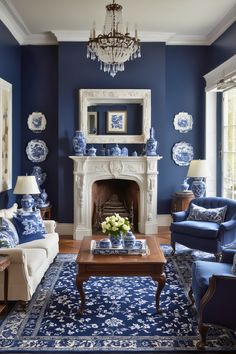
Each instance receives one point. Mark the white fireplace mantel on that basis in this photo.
(87, 170)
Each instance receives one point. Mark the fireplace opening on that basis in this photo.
(114, 195)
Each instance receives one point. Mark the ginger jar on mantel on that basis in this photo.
(79, 143)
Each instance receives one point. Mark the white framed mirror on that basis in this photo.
(111, 103)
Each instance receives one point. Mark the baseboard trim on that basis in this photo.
(164, 219)
(67, 229)
(64, 229)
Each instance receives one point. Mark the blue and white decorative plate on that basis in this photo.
(182, 153)
(37, 122)
(183, 122)
(36, 150)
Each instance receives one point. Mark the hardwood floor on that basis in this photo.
(68, 245)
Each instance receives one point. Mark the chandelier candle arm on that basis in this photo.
(113, 47)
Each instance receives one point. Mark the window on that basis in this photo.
(229, 144)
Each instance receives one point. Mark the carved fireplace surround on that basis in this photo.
(87, 170)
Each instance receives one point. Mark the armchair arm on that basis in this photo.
(227, 255)
(50, 226)
(220, 295)
(179, 216)
(228, 225)
(17, 255)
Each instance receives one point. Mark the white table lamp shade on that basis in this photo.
(26, 185)
(198, 168)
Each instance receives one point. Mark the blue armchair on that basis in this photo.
(214, 291)
(207, 236)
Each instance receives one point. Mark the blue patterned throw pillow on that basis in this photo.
(8, 234)
(29, 226)
(8, 225)
(198, 213)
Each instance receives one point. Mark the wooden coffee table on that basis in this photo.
(120, 266)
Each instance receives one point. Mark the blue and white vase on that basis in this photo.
(152, 144)
(185, 185)
(79, 143)
(116, 151)
(129, 240)
(124, 151)
(116, 240)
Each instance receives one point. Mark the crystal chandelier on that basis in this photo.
(114, 46)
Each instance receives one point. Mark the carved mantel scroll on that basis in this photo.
(87, 170)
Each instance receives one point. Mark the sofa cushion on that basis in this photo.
(48, 244)
(29, 227)
(201, 272)
(201, 229)
(198, 213)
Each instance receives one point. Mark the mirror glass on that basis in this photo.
(115, 116)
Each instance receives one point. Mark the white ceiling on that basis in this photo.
(171, 21)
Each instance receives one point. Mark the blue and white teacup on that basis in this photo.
(105, 243)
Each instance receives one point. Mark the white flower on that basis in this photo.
(115, 224)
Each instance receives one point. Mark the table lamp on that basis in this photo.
(26, 185)
(198, 169)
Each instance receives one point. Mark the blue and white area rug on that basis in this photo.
(119, 315)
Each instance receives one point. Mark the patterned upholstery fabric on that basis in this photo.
(29, 226)
(198, 213)
(8, 234)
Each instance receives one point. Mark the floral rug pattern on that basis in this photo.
(119, 314)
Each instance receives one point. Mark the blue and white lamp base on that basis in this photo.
(27, 202)
(199, 187)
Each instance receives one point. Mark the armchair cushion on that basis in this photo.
(198, 213)
(202, 271)
(201, 229)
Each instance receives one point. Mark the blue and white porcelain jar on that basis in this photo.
(79, 143)
(116, 240)
(152, 144)
(129, 240)
(92, 151)
(116, 151)
(105, 243)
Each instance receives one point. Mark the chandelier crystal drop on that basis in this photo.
(114, 46)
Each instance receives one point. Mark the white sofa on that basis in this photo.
(29, 262)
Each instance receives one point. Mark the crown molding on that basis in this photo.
(226, 22)
(187, 40)
(12, 20)
(19, 30)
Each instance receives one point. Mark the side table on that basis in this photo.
(181, 200)
(4, 264)
(46, 212)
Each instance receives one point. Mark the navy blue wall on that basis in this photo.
(185, 84)
(52, 77)
(40, 94)
(223, 48)
(75, 72)
(10, 70)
